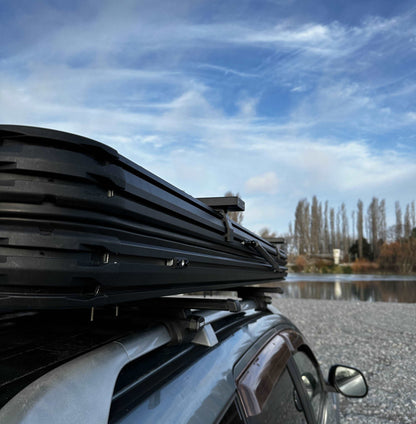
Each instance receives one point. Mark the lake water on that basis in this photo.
(372, 288)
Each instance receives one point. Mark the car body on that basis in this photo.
(172, 360)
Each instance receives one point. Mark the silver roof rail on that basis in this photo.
(70, 392)
(69, 387)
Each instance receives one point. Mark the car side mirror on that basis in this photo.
(348, 381)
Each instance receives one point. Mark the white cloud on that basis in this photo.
(298, 89)
(142, 91)
(341, 166)
(227, 70)
(350, 106)
(265, 183)
(309, 34)
(411, 116)
(248, 108)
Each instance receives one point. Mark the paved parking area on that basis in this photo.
(378, 338)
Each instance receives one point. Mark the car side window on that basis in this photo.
(283, 405)
(310, 381)
(266, 389)
(231, 416)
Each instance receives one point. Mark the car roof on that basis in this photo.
(82, 389)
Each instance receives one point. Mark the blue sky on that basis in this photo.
(278, 100)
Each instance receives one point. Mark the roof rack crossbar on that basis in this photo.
(212, 316)
(231, 305)
(225, 203)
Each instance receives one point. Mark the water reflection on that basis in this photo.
(373, 288)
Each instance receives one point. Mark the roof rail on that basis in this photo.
(70, 383)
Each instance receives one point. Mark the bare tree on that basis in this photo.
(290, 239)
(344, 225)
(267, 233)
(373, 220)
(315, 225)
(382, 226)
(302, 225)
(391, 233)
(338, 232)
(407, 222)
(353, 225)
(321, 228)
(360, 218)
(306, 224)
(326, 230)
(332, 224)
(399, 224)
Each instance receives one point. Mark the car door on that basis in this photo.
(305, 368)
(267, 390)
(282, 383)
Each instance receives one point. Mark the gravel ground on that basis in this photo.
(378, 338)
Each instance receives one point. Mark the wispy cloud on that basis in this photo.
(267, 183)
(275, 108)
(227, 71)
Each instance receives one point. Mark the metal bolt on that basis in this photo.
(195, 323)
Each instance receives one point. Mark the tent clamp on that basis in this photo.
(263, 253)
(224, 205)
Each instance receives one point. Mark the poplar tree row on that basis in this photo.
(319, 228)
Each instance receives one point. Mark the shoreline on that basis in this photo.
(334, 272)
(382, 276)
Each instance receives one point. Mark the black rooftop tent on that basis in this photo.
(82, 226)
